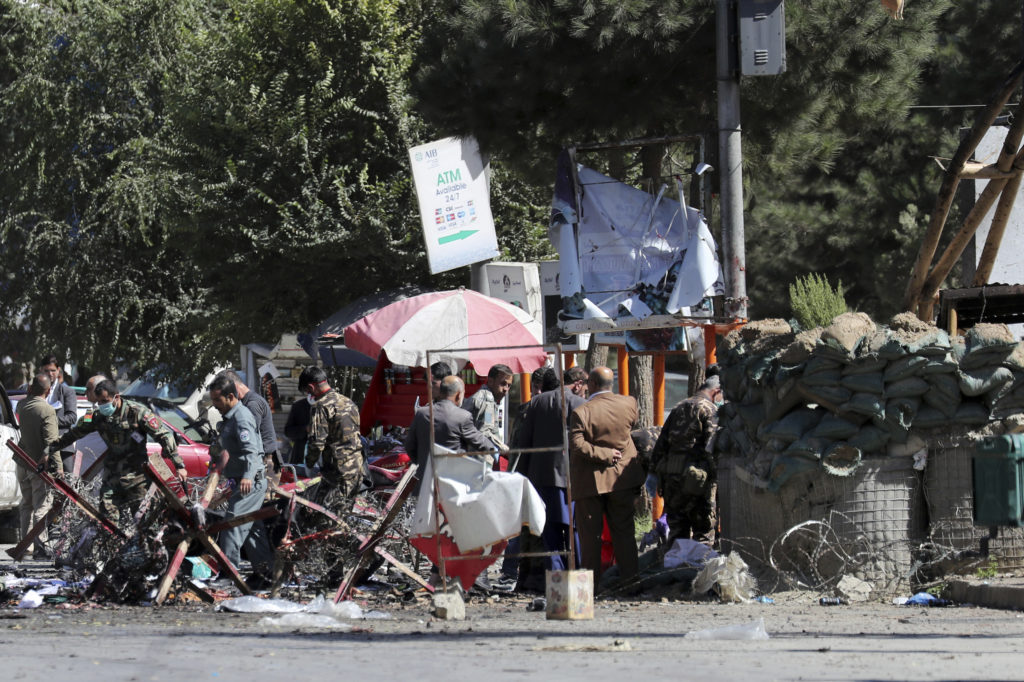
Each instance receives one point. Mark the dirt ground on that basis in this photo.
(501, 639)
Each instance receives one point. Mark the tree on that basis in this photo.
(822, 142)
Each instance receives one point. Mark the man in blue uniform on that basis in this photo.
(241, 461)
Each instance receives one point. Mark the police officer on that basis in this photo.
(333, 434)
(241, 461)
(124, 426)
(686, 469)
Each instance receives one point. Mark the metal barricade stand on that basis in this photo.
(441, 558)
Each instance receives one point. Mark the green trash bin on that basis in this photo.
(999, 481)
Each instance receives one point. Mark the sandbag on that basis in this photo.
(905, 367)
(987, 344)
(938, 400)
(975, 382)
(835, 428)
(866, 404)
(752, 416)
(865, 364)
(799, 350)
(1015, 360)
(758, 369)
(847, 331)
(819, 364)
(939, 364)
(829, 377)
(841, 459)
(931, 418)
(784, 372)
(900, 413)
(784, 467)
(971, 413)
(864, 383)
(906, 388)
(996, 394)
(891, 350)
(794, 425)
(933, 342)
(808, 447)
(870, 439)
(945, 387)
(827, 396)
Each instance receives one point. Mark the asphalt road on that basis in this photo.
(626, 640)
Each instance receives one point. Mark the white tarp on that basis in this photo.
(10, 494)
(481, 507)
(631, 254)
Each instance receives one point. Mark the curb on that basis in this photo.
(990, 596)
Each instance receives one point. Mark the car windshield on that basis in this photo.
(177, 418)
(147, 387)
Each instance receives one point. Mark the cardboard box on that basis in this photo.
(570, 595)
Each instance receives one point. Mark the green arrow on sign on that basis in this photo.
(457, 236)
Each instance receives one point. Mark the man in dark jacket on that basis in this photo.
(61, 397)
(543, 427)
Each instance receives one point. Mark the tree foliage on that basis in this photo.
(814, 302)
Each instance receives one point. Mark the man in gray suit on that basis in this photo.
(453, 426)
(542, 427)
(38, 423)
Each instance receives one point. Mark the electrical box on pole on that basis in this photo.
(762, 29)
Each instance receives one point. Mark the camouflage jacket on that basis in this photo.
(685, 436)
(484, 409)
(124, 433)
(334, 433)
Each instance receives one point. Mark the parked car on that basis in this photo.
(10, 494)
(193, 401)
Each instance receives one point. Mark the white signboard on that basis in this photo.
(455, 209)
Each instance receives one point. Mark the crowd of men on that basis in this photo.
(581, 411)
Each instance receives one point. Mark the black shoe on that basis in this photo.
(506, 583)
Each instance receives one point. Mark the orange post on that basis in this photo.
(623, 356)
(524, 387)
(570, 360)
(659, 389)
(710, 345)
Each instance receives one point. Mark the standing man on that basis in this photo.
(61, 396)
(687, 469)
(606, 474)
(260, 409)
(244, 466)
(124, 426)
(543, 427)
(38, 422)
(333, 434)
(296, 429)
(453, 426)
(438, 371)
(483, 404)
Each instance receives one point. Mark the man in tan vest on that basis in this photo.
(38, 422)
(605, 472)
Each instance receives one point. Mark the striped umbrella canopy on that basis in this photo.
(446, 321)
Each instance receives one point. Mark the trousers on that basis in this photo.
(36, 502)
(590, 513)
(252, 535)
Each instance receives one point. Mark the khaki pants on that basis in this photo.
(36, 501)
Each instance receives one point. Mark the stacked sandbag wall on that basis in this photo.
(808, 409)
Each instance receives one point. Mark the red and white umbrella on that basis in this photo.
(448, 320)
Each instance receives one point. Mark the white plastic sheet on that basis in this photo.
(741, 631)
(686, 552)
(481, 507)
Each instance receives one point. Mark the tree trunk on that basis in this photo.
(696, 377)
(641, 386)
(597, 356)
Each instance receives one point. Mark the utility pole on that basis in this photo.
(730, 156)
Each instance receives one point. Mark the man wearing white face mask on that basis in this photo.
(124, 426)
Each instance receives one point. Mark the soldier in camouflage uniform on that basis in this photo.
(124, 426)
(333, 434)
(687, 471)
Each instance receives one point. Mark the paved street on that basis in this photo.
(502, 640)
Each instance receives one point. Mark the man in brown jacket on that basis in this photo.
(38, 423)
(605, 472)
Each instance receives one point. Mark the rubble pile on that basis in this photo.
(829, 397)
